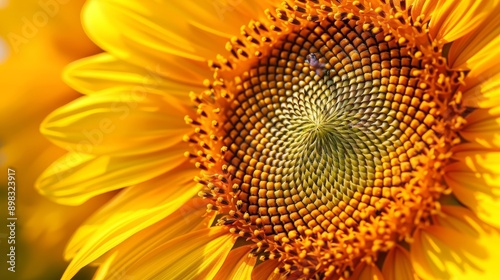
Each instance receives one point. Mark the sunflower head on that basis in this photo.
(321, 136)
(326, 141)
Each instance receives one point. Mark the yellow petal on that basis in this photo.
(479, 162)
(454, 19)
(193, 30)
(188, 218)
(76, 177)
(476, 194)
(397, 265)
(366, 271)
(37, 40)
(482, 128)
(465, 222)
(482, 114)
(105, 268)
(150, 201)
(482, 88)
(423, 7)
(486, 238)
(196, 255)
(238, 264)
(478, 50)
(265, 270)
(99, 72)
(117, 122)
(475, 181)
(222, 17)
(139, 21)
(108, 24)
(442, 253)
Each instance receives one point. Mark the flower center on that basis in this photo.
(313, 141)
(322, 139)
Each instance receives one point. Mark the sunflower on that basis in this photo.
(284, 140)
(30, 65)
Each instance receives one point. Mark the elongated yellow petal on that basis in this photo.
(150, 201)
(466, 222)
(117, 122)
(76, 177)
(477, 258)
(477, 51)
(476, 194)
(265, 270)
(105, 267)
(483, 89)
(146, 45)
(366, 271)
(482, 115)
(157, 30)
(196, 255)
(463, 220)
(442, 253)
(99, 72)
(423, 7)
(475, 181)
(397, 265)
(188, 218)
(194, 30)
(238, 264)
(482, 128)
(221, 17)
(484, 134)
(454, 19)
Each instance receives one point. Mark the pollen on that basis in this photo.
(318, 137)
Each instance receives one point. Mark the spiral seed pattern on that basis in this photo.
(312, 143)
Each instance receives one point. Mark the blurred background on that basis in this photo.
(37, 39)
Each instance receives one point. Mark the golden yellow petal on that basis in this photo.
(118, 122)
(482, 115)
(481, 130)
(483, 135)
(196, 255)
(442, 253)
(482, 88)
(222, 17)
(139, 21)
(476, 194)
(366, 271)
(478, 50)
(423, 7)
(475, 181)
(188, 218)
(99, 72)
(465, 222)
(238, 264)
(397, 265)
(36, 41)
(265, 270)
(104, 269)
(150, 201)
(462, 220)
(128, 34)
(194, 30)
(76, 177)
(479, 162)
(454, 19)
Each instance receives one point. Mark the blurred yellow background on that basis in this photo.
(37, 39)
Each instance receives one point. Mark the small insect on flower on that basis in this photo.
(315, 64)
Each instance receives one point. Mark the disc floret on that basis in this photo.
(326, 169)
